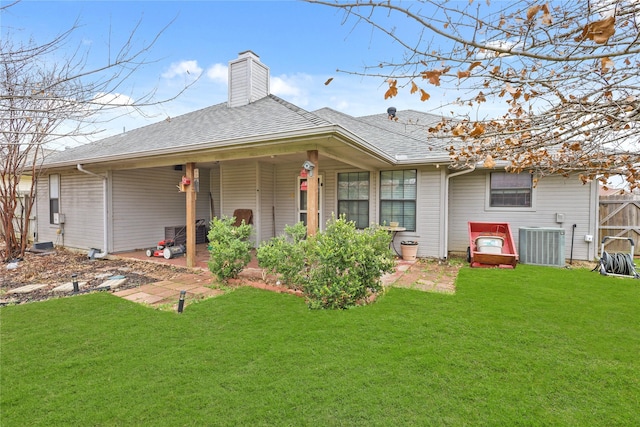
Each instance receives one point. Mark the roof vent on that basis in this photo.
(391, 111)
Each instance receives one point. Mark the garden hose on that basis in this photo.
(618, 263)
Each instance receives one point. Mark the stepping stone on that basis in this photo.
(68, 287)
(143, 297)
(26, 289)
(113, 283)
(102, 275)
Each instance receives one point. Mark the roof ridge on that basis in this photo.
(313, 118)
(362, 120)
(435, 116)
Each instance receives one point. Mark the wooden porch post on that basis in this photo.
(312, 195)
(191, 217)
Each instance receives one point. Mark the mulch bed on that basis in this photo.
(56, 267)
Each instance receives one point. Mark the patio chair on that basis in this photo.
(245, 215)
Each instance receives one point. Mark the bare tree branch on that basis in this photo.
(44, 99)
(567, 74)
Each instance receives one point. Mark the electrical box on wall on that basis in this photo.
(588, 238)
(559, 218)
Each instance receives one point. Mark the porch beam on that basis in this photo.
(312, 194)
(191, 216)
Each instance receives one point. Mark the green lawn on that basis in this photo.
(530, 346)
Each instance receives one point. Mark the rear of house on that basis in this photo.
(121, 193)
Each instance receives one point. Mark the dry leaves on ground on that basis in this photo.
(56, 267)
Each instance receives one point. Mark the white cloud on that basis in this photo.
(183, 68)
(113, 99)
(219, 73)
(285, 86)
(341, 105)
(499, 44)
(294, 88)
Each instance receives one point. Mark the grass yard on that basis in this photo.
(530, 346)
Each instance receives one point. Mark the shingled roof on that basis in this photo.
(404, 140)
(263, 119)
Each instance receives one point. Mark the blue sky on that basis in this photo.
(302, 44)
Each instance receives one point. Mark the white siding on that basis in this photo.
(214, 194)
(428, 202)
(81, 201)
(239, 189)
(285, 196)
(286, 180)
(428, 213)
(145, 201)
(553, 194)
(266, 192)
(248, 80)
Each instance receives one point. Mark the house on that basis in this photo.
(119, 193)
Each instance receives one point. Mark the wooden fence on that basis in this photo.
(620, 217)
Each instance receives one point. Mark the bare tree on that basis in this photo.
(566, 73)
(44, 100)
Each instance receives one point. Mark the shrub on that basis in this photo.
(345, 264)
(229, 247)
(286, 255)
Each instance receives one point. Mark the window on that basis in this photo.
(511, 190)
(398, 190)
(353, 197)
(54, 198)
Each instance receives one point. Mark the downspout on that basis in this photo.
(105, 217)
(444, 249)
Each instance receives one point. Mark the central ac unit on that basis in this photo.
(542, 246)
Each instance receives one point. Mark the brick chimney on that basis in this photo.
(248, 79)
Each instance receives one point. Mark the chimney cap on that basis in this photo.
(247, 53)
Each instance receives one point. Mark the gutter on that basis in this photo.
(444, 211)
(105, 217)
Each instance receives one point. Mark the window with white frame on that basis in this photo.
(398, 191)
(54, 198)
(353, 197)
(511, 190)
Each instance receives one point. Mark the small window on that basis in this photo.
(398, 191)
(353, 197)
(511, 190)
(54, 198)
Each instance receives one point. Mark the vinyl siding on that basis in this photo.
(81, 201)
(145, 201)
(428, 198)
(428, 213)
(553, 194)
(428, 202)
(285, 196)
(286, 181)
(266, 190)
(238, 189)
(248, 81)
(214, 192)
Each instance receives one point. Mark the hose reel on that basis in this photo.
(617, 264)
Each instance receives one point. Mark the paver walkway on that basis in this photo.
(168, 291)
(408, 274)
(424, 275)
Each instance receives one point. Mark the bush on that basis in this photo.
(286, 255)
(229, 248)
(345, 264)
